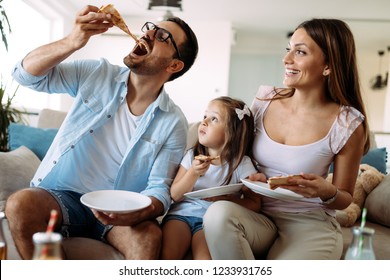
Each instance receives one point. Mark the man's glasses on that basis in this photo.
(160, 34)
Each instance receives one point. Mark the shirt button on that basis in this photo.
(86, 101)
(72, 146)
(91, 131)
(40, 180)
(54, 162)
(108, 116)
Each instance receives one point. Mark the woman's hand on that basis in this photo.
(311, 185)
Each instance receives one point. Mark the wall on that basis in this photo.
(373, 99)
(386, 118)
(248, 71)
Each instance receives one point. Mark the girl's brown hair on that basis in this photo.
(239, 135)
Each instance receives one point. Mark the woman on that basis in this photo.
(319, 118)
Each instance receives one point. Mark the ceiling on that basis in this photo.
(263, 23)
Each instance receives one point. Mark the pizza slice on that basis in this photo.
(117, 19)
(206, 158)
(274, 182)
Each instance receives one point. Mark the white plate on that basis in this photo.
(215, 191)
(115, 201)
(264, 189)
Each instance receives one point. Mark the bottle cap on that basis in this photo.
(364, 231)
(44, 237)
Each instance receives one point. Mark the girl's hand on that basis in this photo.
(258, 177)
(200, 167)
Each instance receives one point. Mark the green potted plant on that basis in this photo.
(4, 23)
(8, 113)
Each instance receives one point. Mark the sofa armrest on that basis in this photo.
(377, 203)
(17, 169)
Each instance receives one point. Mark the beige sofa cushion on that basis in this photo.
(377, 203)
(51, 118)
(192, 134)
(17, 169)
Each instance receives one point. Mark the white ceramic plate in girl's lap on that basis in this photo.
(115, 201)
(264, 189)
(215, 191)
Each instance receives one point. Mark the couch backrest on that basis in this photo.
(51, 118)
(192, 134)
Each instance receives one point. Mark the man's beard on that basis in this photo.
(150, 66)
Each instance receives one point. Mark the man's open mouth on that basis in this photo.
(141, 49)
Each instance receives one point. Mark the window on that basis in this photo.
(29, 30)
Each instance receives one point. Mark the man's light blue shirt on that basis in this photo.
(155, 150)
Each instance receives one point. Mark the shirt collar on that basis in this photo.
(162, 100)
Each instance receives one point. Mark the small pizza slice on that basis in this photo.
(206, 158)
(117, 19)
(274, 182)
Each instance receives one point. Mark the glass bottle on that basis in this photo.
(361, 245)
(3, 243)
(47, 246)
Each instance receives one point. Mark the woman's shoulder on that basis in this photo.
(346, 123)
(349, 115)
(263, 96)
(265, 92)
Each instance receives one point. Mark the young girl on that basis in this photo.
(226, 135)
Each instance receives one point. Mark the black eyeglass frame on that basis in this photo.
(166, 33)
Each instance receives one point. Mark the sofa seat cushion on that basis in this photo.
(17, 169)
(381, 239)
(80, 248)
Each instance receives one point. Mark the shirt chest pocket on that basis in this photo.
(91, 99)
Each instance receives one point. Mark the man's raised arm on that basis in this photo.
(88, 23)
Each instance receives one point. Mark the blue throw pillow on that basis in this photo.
(375, 157)
(36, 139)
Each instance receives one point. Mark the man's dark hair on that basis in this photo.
(188, 50)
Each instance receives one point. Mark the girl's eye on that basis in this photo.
(214, 119)
(288, 49)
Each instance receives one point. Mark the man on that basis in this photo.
(122, 132)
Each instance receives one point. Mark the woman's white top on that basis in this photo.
(276, 159)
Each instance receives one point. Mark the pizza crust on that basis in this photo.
(274, 182)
